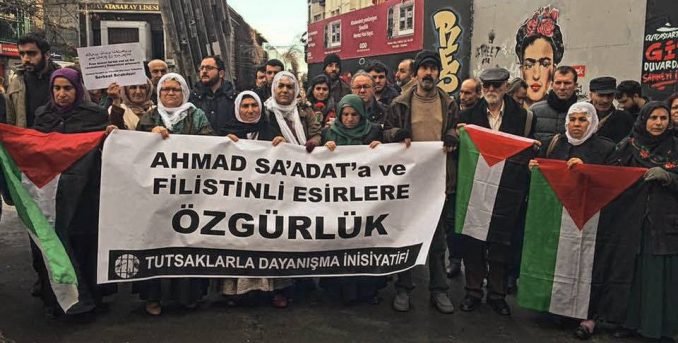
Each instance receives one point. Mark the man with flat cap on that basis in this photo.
(491, 258)
(613, 123)
(426, 113)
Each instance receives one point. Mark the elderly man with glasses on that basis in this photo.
(363, 85)
(491, 259)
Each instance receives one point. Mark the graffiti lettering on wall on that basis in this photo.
(486, 53)
(660, 67)
(448, 30)
(540, 48)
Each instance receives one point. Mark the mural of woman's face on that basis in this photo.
(537, 69)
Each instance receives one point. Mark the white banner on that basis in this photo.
(209, 207)
(105, 64)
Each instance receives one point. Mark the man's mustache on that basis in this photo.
(428, 78)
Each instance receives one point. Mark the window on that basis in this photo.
(334, 33)
(400, 20)
(406, 19)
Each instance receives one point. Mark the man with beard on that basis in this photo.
(383, 92)
(363, 85)
(614, 124)
(29, 89)
(630, 97)
(426, 113)
(271, 68)
(405, 75)
(491, 259)
(469, 93)
(551, 113)
(158, 69)
(332, 68)
(214, 95)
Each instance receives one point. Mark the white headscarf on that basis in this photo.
(238, 100)
(591, 115)
(287, 112)
(172, 115)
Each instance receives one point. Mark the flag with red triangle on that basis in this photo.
(32, 164)
(581, 237)
(492, 182)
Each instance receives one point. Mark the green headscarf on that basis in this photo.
(342, 135)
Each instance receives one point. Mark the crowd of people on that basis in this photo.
(375, 106)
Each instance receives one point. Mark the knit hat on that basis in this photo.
(332, 58)
(427, 56)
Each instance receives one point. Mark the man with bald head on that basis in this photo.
(469, 93)
(157, 68)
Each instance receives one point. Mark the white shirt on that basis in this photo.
(495, 121)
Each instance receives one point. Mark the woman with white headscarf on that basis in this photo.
(174, 114)
(579, 144)
(298, 125)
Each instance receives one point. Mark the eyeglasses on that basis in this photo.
(207, 68)
(170, 89)
(361, 87)
(29, 53)
(493, 84)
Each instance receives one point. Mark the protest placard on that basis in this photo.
(119, 63)
(209, 207)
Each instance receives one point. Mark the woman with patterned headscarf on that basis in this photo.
(131, 103)
(653, 305)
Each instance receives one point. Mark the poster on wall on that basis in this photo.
(659, 76)
(391, 27)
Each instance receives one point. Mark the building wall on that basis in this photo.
(336, 7)
(601, 37)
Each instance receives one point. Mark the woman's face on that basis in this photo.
(674, 112)
(537, 69)
(137, 93)
(64, 92)
(577, 125)
(658, 122)
(249, 110)
(350, 117)
(321, 91)
(171, 94)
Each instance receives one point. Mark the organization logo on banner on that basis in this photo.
(126, 266)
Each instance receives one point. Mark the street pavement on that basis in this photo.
(312, 317)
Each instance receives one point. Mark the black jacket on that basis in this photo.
(513, 120)
(596, 150)
(616, 126)
(388, 94)
(218, 107)
(661, 209)
(510, 205)
(376, 113)
(86, 117)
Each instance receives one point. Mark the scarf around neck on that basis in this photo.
(172, 115)
(562, 106)
(343, 135)
(285, 113)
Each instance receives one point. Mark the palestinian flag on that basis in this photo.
(492, 182)
(32, 164)
(581, 238)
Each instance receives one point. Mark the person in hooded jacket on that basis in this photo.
(653, 304)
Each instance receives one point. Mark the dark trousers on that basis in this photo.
(454, 240)
(436, 258)
(485, 260)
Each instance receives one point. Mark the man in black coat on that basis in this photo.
(214, 95)
(491, 259)
(614, 124)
